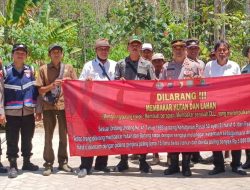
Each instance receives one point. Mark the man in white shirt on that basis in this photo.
(100, 69)
(222, 66)
(246, 70)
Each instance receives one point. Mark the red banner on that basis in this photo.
(114, 117)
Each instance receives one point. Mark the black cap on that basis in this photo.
(55, 46)
(178, 43)
(192, 42)
(19, 47)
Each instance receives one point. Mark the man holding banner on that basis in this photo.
(2, 118)
(246, 70)
(134, 67)
(222, 66)
(100, 69)
(49, 83)
(180, 68)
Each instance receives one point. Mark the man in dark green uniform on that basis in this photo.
(134, 67)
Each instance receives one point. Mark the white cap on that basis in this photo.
(147, 46)
(158, 56)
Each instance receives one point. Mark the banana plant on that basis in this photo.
(16, 15)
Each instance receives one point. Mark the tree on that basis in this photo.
(29, 22)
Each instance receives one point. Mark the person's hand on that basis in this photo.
(122, 78)
(38, 116)
(2, 119)
(89, 79)
(57, 82)
(66, 78)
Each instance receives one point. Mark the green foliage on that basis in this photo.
(35, 35)
(156, 25)
(76, 25)
(18, 10)
(38, 33)
(43, 16)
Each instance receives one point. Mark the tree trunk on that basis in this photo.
(248, 19)
(217, 4)
(223, 30)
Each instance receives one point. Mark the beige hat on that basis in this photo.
(158, 56)
(102, 43)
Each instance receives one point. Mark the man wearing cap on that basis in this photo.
(2, 117)
(49, 83)
(99, 69)
(158, 61)
(147, 51)
(246, 70)
(193, 51)
(134, 67)
(20, 100)
(179, 68)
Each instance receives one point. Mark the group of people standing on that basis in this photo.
(25, 98)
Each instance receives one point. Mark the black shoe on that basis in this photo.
(144, 167)
(29, 166)
(216, 171)
(246, 165)
(3, 169)
(186, 173)
(104, 169)
(239, 171)
(171, 171)
(121, 166)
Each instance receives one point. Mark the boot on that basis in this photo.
(246, 165)
(27, 165)
(48, 169)
(144, 167)
(174, 165)
(121, 166)
(186, 165)
(13, 168)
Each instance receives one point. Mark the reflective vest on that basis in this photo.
(19, 88)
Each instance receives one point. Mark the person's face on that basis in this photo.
(222, 53)
(19, 56)
(56, 55)
(212, 56)
(158, 64)
(179, 52)
(102, 52)
(193, 52)
(134, 48)
(147, 54)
